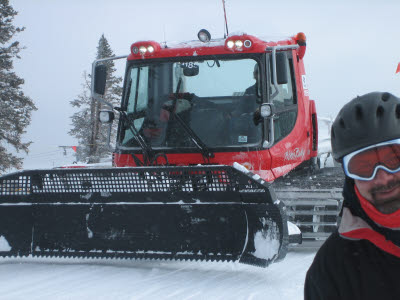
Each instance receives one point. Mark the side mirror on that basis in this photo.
(106, 116)
(281, 68)
(100, 76)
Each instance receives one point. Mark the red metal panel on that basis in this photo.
(259, 162)
(292, 150)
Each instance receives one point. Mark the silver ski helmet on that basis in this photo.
(366, 120)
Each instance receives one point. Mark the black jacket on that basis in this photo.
(354, 268)
(346, 269)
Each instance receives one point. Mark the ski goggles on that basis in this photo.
(363, 164)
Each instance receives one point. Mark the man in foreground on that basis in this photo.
(361, 260)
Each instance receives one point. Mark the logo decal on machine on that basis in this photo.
(294, 154)
(305, 87)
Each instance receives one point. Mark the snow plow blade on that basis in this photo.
(215, 213)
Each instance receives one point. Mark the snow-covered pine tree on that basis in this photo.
(15, 107)
(81, 120)
(91, 134)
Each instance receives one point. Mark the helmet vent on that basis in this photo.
(379, 112)
(341, 123)
(398, 111)
(385, 97)
(359, 112)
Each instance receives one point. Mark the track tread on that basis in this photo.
(298, 189)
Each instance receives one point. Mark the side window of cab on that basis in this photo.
(284, 100)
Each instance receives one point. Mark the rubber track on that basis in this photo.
(317, 182)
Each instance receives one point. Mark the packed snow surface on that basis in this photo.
(61, 279)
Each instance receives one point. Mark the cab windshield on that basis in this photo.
(215, 98)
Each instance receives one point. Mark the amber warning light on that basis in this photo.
(301, 41)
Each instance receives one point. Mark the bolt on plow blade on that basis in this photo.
(212, 213)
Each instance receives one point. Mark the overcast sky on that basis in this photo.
(353, 47)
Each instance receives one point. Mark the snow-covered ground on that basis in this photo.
(59, 279)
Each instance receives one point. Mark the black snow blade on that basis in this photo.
(215, 213)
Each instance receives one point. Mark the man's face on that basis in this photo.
(383, 191)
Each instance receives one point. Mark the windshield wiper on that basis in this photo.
(147, 151)
(193, 136)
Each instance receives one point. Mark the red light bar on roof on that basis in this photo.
(238, 43)
(147, 48)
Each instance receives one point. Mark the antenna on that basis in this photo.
(226, 22)
(165, 37)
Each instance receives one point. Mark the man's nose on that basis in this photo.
(383, 176)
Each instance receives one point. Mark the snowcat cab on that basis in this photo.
(201, 103)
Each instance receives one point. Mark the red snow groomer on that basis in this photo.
(204, 126)
(241, 99)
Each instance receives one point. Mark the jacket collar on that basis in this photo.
(355, 228)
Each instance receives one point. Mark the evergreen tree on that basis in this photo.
(15, 107)
(81, 120)
(91, 134)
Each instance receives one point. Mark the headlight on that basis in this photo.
(106, 116)
(239, 44)
(266, 110)
(230, 44)
(142, 49)
(204, 36)
(150, 49)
